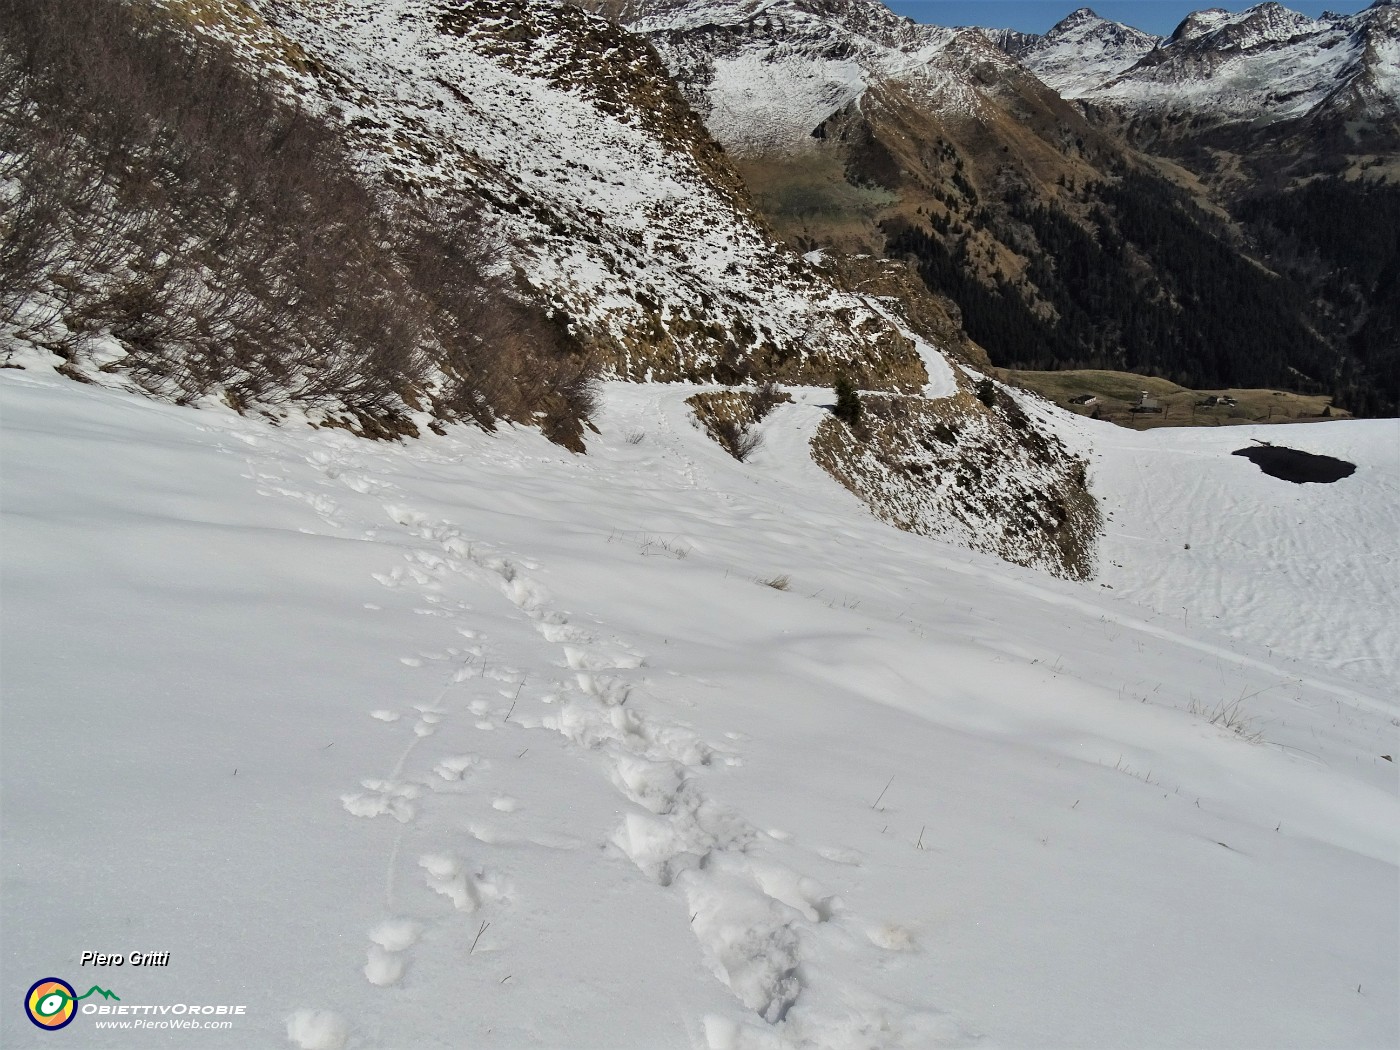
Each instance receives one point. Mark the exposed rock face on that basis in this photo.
(978, 474)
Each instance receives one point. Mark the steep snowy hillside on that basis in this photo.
(469, 741)
(613, 201)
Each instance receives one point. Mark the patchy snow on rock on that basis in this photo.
(765, 77)
(610, 199)
(1267, 63)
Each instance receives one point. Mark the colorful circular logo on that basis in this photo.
(51, 1003)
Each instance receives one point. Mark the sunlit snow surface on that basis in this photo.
(473, 742)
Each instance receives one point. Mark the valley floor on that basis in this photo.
(474, 742)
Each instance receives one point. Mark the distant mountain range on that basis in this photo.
(803, 189)
(1266, 64)
(1213, 206)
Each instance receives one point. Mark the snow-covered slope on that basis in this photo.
(1310, 572)
(612, 201)
(473, 742)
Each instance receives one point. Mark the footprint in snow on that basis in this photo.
(891, 937)
(468, 890)
(317, 1030)
(383, 797)
(456, 767)
(396, 935)
(838, 855)
(387, 957)
(359, 484)
(384, 968)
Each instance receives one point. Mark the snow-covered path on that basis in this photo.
(474, 742)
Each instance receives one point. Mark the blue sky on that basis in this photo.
(1036, 16)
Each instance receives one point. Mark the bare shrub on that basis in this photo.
(729, 416)
(767, 397)
(155, 190)
(738, 440)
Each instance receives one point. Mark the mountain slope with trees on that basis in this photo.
(1067, 232)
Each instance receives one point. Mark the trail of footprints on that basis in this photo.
(746, 912)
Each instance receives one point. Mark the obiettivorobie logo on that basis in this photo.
(51, 1003)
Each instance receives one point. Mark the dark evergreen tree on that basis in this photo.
(847, 407)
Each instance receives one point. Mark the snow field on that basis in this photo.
(473, 741)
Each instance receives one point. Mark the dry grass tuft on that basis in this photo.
(1229, 716)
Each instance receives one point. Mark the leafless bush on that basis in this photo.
(767, 397)
(736, 439)
(154, 190)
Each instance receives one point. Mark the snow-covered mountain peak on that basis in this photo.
(1079, 14)
(1082, 50)
(1085, 25)
(1265, 25)
(1265, 64)
(764, 76)
(868, 19)
(1199, 23)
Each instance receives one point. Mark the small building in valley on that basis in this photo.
(1147, 404)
